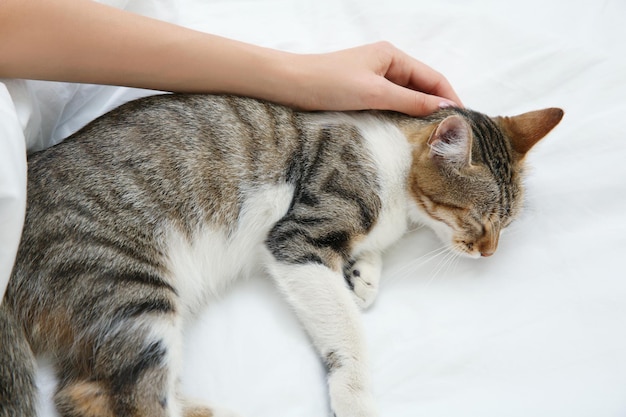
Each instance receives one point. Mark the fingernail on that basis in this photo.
(446, 104)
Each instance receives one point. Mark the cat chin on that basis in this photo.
(467, 254)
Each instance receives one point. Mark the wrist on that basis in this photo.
(279, 76)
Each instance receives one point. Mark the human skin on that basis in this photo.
(86, 42)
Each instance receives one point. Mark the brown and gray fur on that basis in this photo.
(97, 287)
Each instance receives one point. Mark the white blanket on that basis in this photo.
(539, 329)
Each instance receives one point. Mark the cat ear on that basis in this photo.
(527, 129)
(452, 141)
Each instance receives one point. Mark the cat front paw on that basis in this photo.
(348, 398)
(359, 405)
(363, 277)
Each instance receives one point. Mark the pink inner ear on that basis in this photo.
(451, 141)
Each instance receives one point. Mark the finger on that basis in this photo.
(409, 72)
(413, 103)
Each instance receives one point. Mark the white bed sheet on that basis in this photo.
(539, 329)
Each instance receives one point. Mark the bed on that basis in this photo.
(537, 330)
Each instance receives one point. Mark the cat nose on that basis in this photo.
(488, 244)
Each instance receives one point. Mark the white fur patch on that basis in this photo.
(203, 266)
(442, 230)
(392, 155)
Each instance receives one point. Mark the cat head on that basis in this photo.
(466, 177)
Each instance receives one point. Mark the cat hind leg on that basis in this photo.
(128, 367)
(133, 373)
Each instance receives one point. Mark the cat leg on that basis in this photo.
(363, 277)
(325, 307)
(131, 370)
(128, 367)
(17, 368)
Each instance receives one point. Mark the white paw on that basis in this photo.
(358, 405)
(349, 398)
(363, 277)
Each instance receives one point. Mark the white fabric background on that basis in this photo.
(536, 330)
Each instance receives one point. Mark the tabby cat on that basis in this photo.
(134, 222)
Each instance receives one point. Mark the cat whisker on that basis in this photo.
(414, 264)
(444, 266)
(425, 258)
(455, 262)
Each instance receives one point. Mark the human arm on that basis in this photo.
(84, 41)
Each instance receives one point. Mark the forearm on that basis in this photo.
(83, 41)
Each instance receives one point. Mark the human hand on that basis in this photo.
(374, 76)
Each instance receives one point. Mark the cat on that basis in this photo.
(138, 219)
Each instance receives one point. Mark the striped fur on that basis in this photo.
(137, 220)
